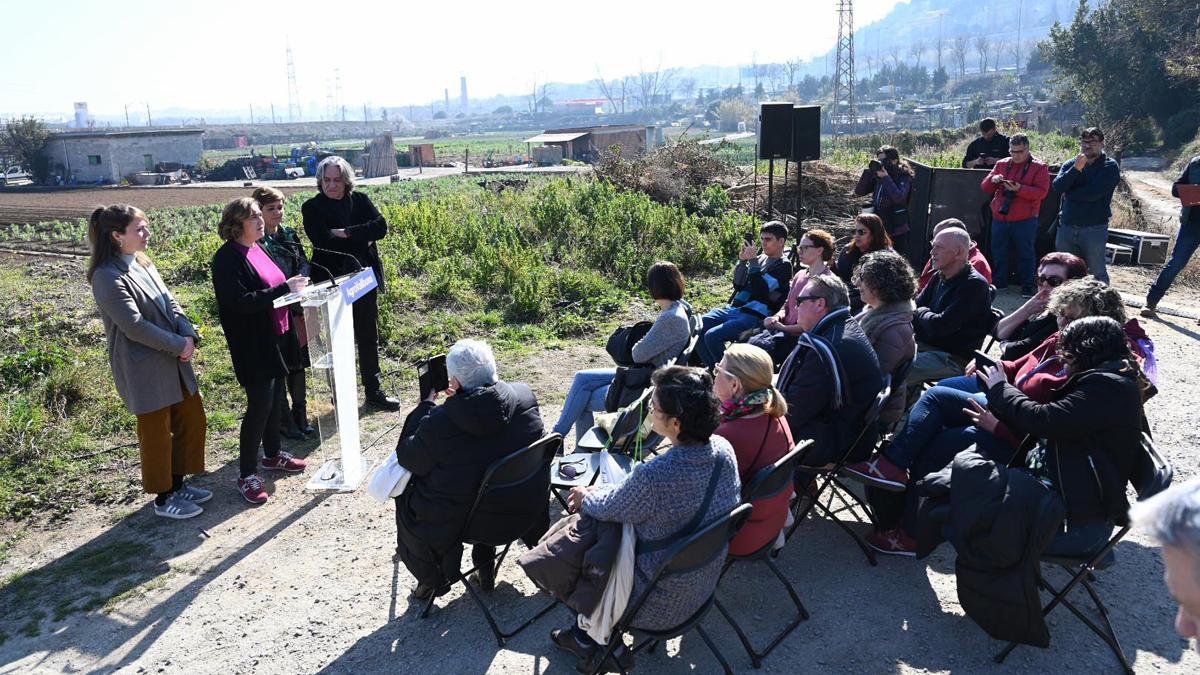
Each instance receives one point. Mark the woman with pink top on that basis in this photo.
(247, 282)
(780, 332)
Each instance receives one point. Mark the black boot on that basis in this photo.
(382, 401)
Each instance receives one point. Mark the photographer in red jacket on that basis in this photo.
(1018, 184)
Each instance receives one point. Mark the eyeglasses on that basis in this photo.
(805, 247)
(804, 298)
(1052, 282)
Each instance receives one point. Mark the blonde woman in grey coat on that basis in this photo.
(150, 349)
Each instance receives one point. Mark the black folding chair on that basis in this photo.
(689, 553)
(621, 444)
(997, 314)
(828, 483)
(1152, 474)
(768, 482)
(527, 466)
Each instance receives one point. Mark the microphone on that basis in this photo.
(287, 246)
(341, 253)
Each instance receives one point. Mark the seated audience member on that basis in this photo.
(760, 286)
(974, 256)
(670, 496)
(753, 413)
(869, 236)
(1172, 519)
(1030, 324)
(954, 312)
(448, 448)
(780, 331)
(831, 377)
(666, 339)
(886, 283)
(939, 426)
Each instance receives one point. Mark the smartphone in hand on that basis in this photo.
(432, 375)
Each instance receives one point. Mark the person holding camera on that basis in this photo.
(760, 285)
(990, 147)
(889, 182)
(1018, 184)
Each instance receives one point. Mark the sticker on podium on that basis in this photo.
(358, 285)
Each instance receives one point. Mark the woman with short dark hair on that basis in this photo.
(666, 339)
(247, 282)
(886, 284)
(150, 347)
(663, 500)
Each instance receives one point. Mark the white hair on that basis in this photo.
(958, 235)
(1172, 518)
(342, 166)
(472, 363)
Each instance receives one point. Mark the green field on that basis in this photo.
(451, 149)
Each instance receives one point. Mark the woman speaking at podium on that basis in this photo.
(247, 282)
(150, 348)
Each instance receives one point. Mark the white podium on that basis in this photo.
(333, 382)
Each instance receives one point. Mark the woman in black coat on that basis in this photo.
(1088, 436)
(247, 282)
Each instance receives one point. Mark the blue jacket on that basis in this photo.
(1087, 194)
(1190, 176)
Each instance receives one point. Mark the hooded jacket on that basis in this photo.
(829, 381)
(448, 448)
(890, 330)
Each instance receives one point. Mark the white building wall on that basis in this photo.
(120, 156)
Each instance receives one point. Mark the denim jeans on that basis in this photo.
(585, 397)
(1008, 235)
(720, 326)
(1186, 243)
(938, 429)
(1086, 242)
(967, 383)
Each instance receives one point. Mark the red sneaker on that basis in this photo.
(284, 462)
(879, 472)
(893, 542)
(252, 490)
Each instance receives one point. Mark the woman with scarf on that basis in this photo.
(753, 420)
(890, 186)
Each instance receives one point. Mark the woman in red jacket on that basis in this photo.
(753, 421)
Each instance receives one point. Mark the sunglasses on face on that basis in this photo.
(1052, 282)
(805, 298)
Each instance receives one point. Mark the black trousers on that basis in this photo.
(366, 335)
(297, 388)
(260, 425)
(433, 566)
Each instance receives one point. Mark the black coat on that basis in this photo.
(954, 315)
(361, 220)
(449, 447)
(1093, 432)
(244, 307)
(808, 382)
(999, 521)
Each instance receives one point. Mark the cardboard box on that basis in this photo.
(1116, 254)
(1149, 248)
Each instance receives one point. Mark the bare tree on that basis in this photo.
(791, 69)
(915, 52)
(615, 91)
(652, 85)
(983, 46)
(959, 48)
(543, 97)
(895, 54)
(774, 76)
(531, 98)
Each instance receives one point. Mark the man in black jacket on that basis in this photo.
(990, 147)
(831, 377)
(954, 311)
(448, 448)
(343, 226)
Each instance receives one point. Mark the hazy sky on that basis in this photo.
(220, 54)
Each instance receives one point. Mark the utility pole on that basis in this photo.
(1020, 11)
(293, 90)
(149, 122)
(843, 88)
(127, 114)
(272, 113)
(251, 113)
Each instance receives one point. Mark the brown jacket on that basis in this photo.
(573, 560)
(890, 331)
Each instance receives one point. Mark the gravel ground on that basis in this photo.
(306, 582)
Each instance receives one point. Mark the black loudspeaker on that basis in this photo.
(775, 130)
(806, 133)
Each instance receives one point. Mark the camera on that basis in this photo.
(1008, 200)
(874, 165)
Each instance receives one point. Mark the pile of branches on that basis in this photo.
(828, 194)
(672, 174)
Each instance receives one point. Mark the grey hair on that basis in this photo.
(1172, 518)
(342, 165)
(948, 223)
(1090, 296)
(472, 363)
(831, 289)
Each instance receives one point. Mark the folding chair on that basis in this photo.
(1152, 474)
(621, 445)
(525, 467)
(997, 314)
(827, 480)
(689, 553)
(768, 482)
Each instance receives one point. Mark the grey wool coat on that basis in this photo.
(143, 342)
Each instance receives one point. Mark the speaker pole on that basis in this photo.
(754, 199)
(784, 197)
(770, 189)
(799, 192)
